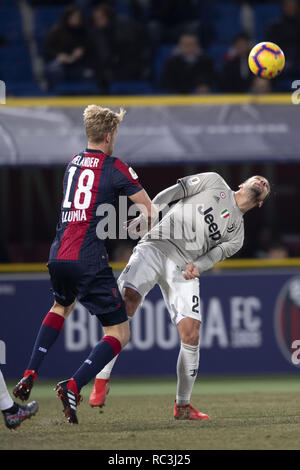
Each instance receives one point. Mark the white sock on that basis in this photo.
(187, 370)
(106, 371)
(5, 398)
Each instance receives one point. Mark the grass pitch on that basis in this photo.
(246, 413)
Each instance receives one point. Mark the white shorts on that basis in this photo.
(148, 266)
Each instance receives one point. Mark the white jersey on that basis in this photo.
(204, 227)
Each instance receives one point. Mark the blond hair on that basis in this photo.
(100, 121)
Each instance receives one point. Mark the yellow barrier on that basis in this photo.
(227, 264)
(150, 101)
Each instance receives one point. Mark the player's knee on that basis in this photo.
(189, 330)
(61, 310)
(69, 309)
(191, 337)
(58, 309)
(121, 332)
(132, 300)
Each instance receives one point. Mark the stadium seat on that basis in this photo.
(217, 52)
(136, 87)
(284, 84)
(162, 54)
(25, 89)
(123, 8)
(8, 3)
(84, 87)
(15, 64)
(11, 25)
(226, 22)
(263, 16)
(45, 18)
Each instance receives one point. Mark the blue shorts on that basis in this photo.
(96, 289)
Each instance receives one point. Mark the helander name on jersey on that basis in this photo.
(88, 162)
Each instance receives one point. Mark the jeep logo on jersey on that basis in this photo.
(287, 317)
(212, 226)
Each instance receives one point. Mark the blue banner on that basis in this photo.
(251, 324)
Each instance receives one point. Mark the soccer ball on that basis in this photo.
(266, 60)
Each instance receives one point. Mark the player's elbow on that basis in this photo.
(234, 251)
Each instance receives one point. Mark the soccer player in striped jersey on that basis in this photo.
(78, 262)
(203, 226)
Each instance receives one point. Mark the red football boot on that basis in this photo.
(23, 388)
(70, 398)
(99, 392)
(188, 412)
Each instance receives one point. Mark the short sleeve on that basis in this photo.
(125, 178)
(196, 183)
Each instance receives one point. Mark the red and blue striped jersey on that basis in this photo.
(91, 178)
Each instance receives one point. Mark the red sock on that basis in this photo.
(48, 334)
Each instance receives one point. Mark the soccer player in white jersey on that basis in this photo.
(13, 413)
(203, 226)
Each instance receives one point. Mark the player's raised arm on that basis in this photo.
(194, 184)
(171, 194)
(160, 201)
(185, 187)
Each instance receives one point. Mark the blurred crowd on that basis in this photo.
(265, 245)
(171, 45)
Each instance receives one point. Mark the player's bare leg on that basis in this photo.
(102, 381)
(48, 334)
(187, 369)
(61, 310)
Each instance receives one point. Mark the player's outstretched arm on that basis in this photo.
(144, 223)
(195, 184)
(187, 186)
(148, 210)
(171, 194)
